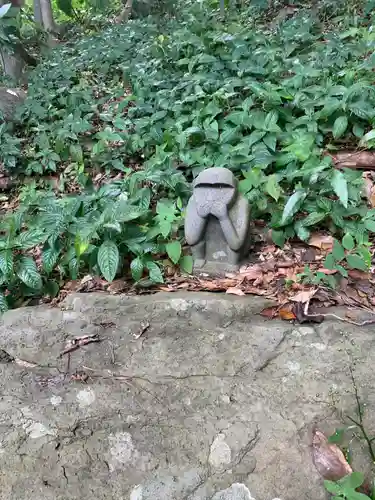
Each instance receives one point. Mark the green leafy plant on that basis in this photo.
(158, 100)
(346, 487)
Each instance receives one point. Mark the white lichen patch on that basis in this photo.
(37, 430)
(136, 493)
(85, 397)
(220, 453)
(55, 400)
(121, 449)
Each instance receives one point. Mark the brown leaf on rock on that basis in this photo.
(322, 241)
(328, 459)
(235, 291)
(287, 314)
(304, 296)
(270, 312)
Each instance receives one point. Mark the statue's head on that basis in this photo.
(215, 185)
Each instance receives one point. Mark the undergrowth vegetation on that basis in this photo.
(158, 101)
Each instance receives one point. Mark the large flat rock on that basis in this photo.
(212, 402)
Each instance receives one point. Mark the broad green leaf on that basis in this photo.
(30, 239)
(330, 262)
(370, 136)
(358, 130)
(354, 480)
(108, 259)
(6, 262)
(49, 259)
(270, 141)
(28, 272)
(236, 117)
(342, 270)
(301, 230)
(333, 487)
(278, 237)
(354, 495)
(370, 225)
(338, 251)
(254, 137)
(272, 187)
(174, 251)
(154, 272)
(337, 437)
(340, 126)
(51, 288)
(292, 205)
(348, 242)
(270, 122)
(136, 267)
(3, 303)
(262, 156)
(340, 187)
(76, 152)
(186, 264)
(314, 218)
(356, 262)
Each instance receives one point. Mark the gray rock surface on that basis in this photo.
(212, 402)
(217, 222)
(10, 99)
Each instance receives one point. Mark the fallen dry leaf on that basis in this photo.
(286, 314)
(328, 459)
(270, 312)
(235, 291)
(358, 275)
(251, 272)
(304, 296)
(325, 271)
(322, 241)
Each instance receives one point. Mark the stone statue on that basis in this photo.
(217, 222)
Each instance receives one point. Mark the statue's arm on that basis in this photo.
(194, 224)
(235, 234)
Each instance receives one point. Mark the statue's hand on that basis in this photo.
(219, 210)
(203, 210)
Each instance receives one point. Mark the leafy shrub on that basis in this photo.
(161, 101)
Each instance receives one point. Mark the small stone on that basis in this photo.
(237, 491)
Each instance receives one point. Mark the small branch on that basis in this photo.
(360, 423)
(354, 159)
(332, 315)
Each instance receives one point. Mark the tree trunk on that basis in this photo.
(13, 65)
(126, 12)
(37, 12)
(47, 16)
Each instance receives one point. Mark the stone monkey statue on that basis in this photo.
(217, 219)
